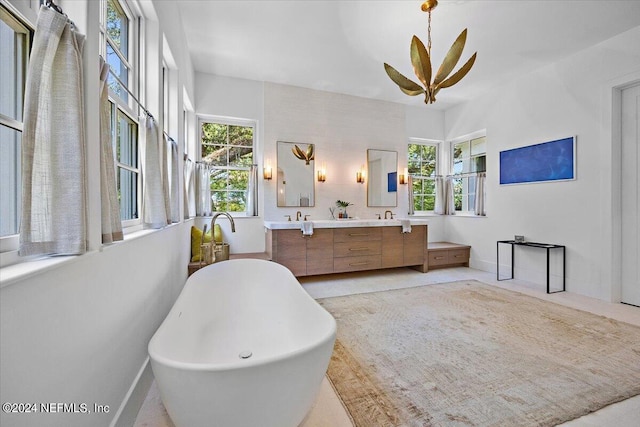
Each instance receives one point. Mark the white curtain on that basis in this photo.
(175, 188)
(479, 207)
(252, 192)
(188, 186)
(155, 204)
(53, 217)
(449, 206)
(410, 193)
(444, 196)
(440, 196)
(111, 221)
(203, 190)
(165, 150)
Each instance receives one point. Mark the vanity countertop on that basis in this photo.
(344, 223)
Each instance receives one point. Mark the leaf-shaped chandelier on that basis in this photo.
(421, 61)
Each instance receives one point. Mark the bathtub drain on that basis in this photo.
(245, 354)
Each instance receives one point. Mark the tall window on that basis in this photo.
(15, 41)
(423, 168)
(125, 134)
(227, 147)
(116, 45)
(119, 46)
(469, 158)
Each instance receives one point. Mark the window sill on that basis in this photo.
(458, 214)
(234, 216)
(16, 268)
(467, 215)
(24, 269)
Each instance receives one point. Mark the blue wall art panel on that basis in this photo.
(549, 161)
(392, 182)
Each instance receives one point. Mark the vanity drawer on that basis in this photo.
(357, 234)
(349, 249)
(356, 263)
(458, 256)
(438, 258)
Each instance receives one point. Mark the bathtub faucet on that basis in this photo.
(213, 221)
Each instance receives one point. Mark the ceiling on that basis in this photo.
(340, 46)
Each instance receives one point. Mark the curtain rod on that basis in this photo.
(51, 5)
(147, 112)
(456, 175)
(204, 162)
(123, 86)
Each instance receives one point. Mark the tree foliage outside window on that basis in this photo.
(15, 44)
(119, 47)
(228, 149)
(116, 46)
(422, 166)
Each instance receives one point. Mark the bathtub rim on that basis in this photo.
(241, 363)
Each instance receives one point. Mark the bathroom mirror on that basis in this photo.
(382, 178)
(295, 174)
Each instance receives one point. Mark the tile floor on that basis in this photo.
(328, 410)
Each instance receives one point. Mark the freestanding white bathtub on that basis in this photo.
(243, 345)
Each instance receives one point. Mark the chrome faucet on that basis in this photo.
(388, 212)
(298, 215)
(213, 221)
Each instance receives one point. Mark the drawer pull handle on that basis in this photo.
(358, 234)
(458, 256)
(353, 264)
(439, 257)
(359, 249)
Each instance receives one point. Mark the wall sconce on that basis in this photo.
(322, 173)
(403, 178)
(267, 171)
(360, 175)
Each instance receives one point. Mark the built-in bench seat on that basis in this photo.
(447, 254)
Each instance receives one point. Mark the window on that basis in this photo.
(423, 167)
(15, 42)
(227, 147)
(125, 135)
(468, 158)
(118, 46)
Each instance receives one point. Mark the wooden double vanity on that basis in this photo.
(349, 245)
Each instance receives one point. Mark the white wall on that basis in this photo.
(78, 332)
(571, 97)
(343, 127)
(241, 99)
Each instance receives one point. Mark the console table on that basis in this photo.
(546, 246)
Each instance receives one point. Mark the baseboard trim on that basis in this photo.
(130, 406)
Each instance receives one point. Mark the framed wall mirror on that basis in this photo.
(382, 182)
(295, 171)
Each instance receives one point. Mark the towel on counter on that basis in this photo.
(406, 225)
(307, 228)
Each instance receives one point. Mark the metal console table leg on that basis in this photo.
(546, 246)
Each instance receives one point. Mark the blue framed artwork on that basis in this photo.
(548, 161)
(392, 182)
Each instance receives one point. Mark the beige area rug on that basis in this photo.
(469, 354)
